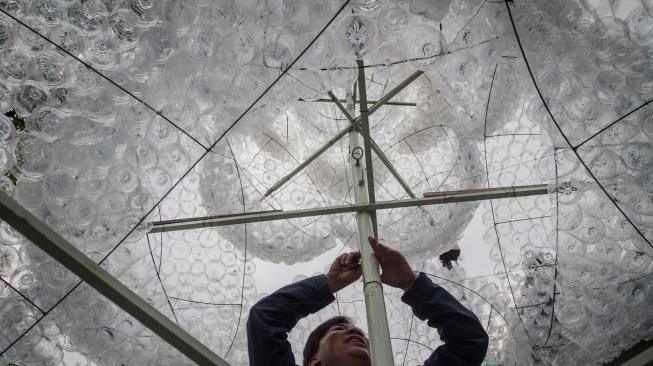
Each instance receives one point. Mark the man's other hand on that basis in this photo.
(344, 271)
(395, 270)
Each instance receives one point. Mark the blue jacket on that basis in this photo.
(272, 318)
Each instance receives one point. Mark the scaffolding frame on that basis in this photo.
(365, 208)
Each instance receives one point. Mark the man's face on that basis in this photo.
(343, 345)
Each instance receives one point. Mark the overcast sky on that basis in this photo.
(475, 260)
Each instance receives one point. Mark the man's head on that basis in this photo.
(337, 342)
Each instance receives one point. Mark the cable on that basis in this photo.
(190, 169)
(8, 284)
(158, 276)
(574, 149)
(90, 67)
(613, 123)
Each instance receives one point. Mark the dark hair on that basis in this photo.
(313, 341)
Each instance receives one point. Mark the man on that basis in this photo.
(337, 342)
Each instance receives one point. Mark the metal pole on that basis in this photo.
(377, 319)
(384, 100)
(375, 147)
(365, 131)
(435, 198)
(65, 253)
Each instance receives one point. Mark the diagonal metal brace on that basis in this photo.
(391, 168)
(306, 162)
(385, 99)
(74, 260)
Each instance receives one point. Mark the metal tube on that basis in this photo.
(376, 149)
(323, 100)
(65, 253)
(384, 100)
(436, 198)
(377, 320)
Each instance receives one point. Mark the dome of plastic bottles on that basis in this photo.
(119, 115)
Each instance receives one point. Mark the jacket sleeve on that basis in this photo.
(465, 340)
(271, 319)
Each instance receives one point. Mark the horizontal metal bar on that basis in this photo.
(323, 100)
(386, 98)
(78, 263)
(476, 190)
(440, 198)
(365, 131)
(190, 219)
(343, 110)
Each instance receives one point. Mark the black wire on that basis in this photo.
(613, 123)
(479, 295)
(186, 173)
(25, 297)
(494, 220)
(555, 264)
(399, 62)
(40, 318)
(242, 288)
(503, 261)
(408, 341)
(204, 302)
(526, 219)
(90, 67)
(574, 149)
(410, 331)
(158, 276)
(284, 72)
(489, 318)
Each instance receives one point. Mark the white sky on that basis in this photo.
(475, 259)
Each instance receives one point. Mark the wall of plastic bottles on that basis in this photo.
(118, 113)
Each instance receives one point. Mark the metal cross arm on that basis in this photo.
(65, 253)
(437, 198)
(388, 164)
(324, 100)
(385, 99)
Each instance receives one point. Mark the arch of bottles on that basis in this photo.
(119, 113)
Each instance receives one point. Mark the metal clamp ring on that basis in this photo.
(357, 154)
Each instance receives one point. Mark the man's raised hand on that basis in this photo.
(395, 270)
(342, 272)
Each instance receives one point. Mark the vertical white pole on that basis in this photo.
(377, 320)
